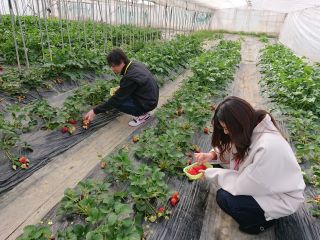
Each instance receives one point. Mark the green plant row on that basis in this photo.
(61, 35)
(96, 202)
(169, 142)
(61, 61)
(161, 57)
(295, 87)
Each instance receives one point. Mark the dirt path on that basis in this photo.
(246, 83)
(218, 225)
(34, 197)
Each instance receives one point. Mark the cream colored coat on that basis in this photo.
(270, 173)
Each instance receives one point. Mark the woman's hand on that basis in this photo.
(90, 116)
(205, 157)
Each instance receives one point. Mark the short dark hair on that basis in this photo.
(116, 57)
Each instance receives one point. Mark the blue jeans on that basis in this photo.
(245, 210)
(128, 106)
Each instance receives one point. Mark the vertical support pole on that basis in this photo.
(14, 33)
(22, 35)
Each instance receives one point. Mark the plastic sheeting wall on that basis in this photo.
(248, 20)
(301, 33)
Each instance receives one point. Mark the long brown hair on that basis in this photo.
(240, 119)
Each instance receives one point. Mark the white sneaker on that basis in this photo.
(136, 121)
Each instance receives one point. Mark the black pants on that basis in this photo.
(128, 106)
(245, 210)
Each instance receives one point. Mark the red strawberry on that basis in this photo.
(161, 209)
(173, 201)
(23, 159)
(206, 130)
(192, 171)
(197, 168)
(72, 121)
(203, 167)
(64, 129)
(175, 195)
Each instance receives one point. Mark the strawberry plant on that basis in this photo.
(118, 167)
(32, 232)
(89, 199)
(146, 185)
(10, 143)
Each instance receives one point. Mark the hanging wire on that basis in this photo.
(79, 25)
(144, 22)
(40, 30)
(153, 20)
(148, 20)
(110, 16)
(24, 8)
(104, 26)
(14, 33)
(84, 26)
(67, 23)
(132, 22)
(46, 27)
(167, 22)
(180, 21)
(160, 13)
(193, 21)
(121, 10)
(34, 13)
(170, 23)
(60, 23)
(22, 35)
(116, 22)
(1, 15)
(93, 24)
(174, 21)
(127, 22)
(185, 19)
(138, 22)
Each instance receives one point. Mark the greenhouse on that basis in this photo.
(159, 119)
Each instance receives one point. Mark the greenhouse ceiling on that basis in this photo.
(273, 5)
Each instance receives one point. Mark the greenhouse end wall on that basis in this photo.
(248, 20)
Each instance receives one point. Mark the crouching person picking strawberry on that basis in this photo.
(138, 92)
(263, 181)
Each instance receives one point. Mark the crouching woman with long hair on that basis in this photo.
(263, 181)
